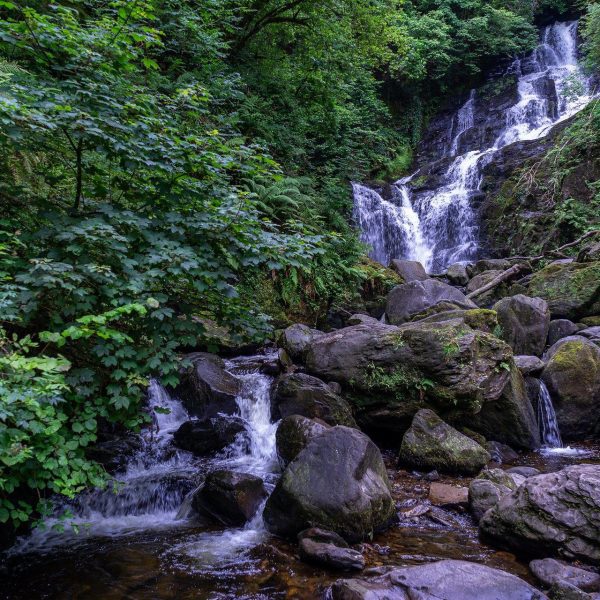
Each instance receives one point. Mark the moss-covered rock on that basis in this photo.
(293, 435)
(572, 290)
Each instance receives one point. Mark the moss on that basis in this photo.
(482, 319)
(591, 321)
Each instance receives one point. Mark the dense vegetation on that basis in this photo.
(172, 168)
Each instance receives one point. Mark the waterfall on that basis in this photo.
(438, 226)
(549, 432)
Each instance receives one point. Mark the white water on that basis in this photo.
(549, 431)
(153, 486)
(439, 227)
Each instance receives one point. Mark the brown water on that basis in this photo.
(185, 562)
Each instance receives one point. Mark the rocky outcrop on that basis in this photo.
(552, 514)
(443, 580)
(524, 323)
(293, 435)
(350, 497)
(206, 387)
(230, 497)
(328, 549)
(204, 436)
(572, 290)
(301, 394)
(432, 444)
(406, 301)
(572, 376)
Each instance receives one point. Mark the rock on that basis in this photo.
(483, 495)
(357, 319)
(489, 264)
(555, 347)
(301, 394)
(567, 591)
(114, 452)
(524, 471)
(457, 274)
(409, 270)
(499, 477)
(572, 376)
(432, 444)
(591, 333)
(442, 580)
(524, 322)
(338, 482)
(560, 328)
(230, 497)
(391, 372)
(529, 365)
(501, 453)
(550, 514)
(589, 253)
(293, 434)
(207, 388)
(482, 279)
(407, 300)
(593, 321)
(444, 494)
(296, 338)
(208, 435)
(571, 290)
(328, 549)
(550, 571)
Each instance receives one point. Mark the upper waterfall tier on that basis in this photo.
(430, 216)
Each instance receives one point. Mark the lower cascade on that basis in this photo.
(549, 432)
(438, 225)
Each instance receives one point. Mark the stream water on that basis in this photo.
(439, 226)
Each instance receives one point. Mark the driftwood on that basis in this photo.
(508, 274)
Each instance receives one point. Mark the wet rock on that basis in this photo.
(571, 290)
(328, 549)
(296, 338)
(524, 471)
(486, 490)
(409, 270)
(457, 274)
(550, 514)
(529, 365)
(410, 299)
(114, 452)
(301, 394)
(230, 497)
(572, 376)
(293, 435)
(444, 494)
(560, 328)
(567, 591)
(204, 436)
(207, 388)
(350, 496)
(501, 453)
(443, 580)
(489, 264)
(524, 322)
(432, 444)
(550, 571)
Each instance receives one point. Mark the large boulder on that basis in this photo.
(206, 387)
(571, 290)
(409, 270)
(560, 328)
(432, 444)
(407, 300)
(293, 435)
(572, 376)
(457, 274)
(230, 497)
(338, 482)
(524, 322)
(443, 580)
(301, 394)
(204, 436)
(391, 372)
(296, 338)
(551, 514)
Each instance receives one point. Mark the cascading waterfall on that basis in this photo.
(439, 226)
(549, 432)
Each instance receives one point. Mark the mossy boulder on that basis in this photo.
(339, 483)
(293, 435)
(572, 290)
(572, 376)
(296, 338)
(432, 444)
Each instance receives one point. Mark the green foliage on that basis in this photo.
(591, 36)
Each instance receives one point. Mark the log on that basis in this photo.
(508, 274)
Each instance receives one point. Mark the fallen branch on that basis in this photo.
(508, 274)
(558, 252)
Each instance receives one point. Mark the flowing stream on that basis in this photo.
(549, 431)
(439, 226)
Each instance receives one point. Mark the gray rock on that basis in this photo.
(524, 471)
(443, 580)
(550, 514)
(432, 444)
(293, 435)
(524, 322)
(204, 436)
(483, 495)
(589, 253)
(338, 482)
(550, 571)
(328, 549)
(296, 338)
(457, 274)
(230, 497)
(408, 300)
(501, 453)
(489, 264)
(409, 270)
(529, 365)
(567, 591)
(591, 333)
(301, 394)
(560, 328)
